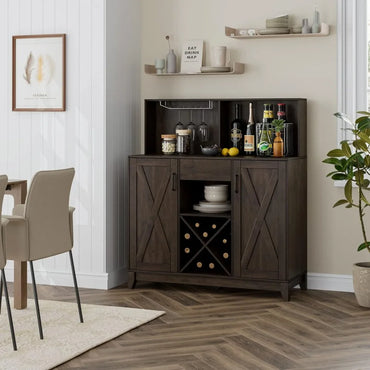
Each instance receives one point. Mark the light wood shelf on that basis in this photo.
(237, 69)
(235, 33)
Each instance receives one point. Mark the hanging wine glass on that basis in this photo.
(179, 124)
(192, 131)
(203, 131)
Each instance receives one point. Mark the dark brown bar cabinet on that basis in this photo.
(261, 244)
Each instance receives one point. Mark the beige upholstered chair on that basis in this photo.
(3, 183)
(43, 227)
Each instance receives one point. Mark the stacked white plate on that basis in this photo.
(212, 207)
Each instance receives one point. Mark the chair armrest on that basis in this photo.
(4, 221)
(15, 236)
(19, 210)
(14, 218)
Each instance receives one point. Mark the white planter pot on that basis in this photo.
(361, 283)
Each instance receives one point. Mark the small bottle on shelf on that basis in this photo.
(264, 140)
(281, 113)
(271, 113)
(249, 142)
(236, 133)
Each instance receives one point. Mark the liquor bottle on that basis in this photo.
(264, 140)
(271, 113)
(236, 134)
(281, 113)
(249, 145)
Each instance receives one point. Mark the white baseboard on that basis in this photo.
(315, 281)
(84, 280)
(338, 283)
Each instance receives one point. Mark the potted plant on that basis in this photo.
(351, 164)
(278, 145)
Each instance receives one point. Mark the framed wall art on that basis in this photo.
(39, 73)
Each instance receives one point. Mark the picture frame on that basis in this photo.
(39, 73)
(192, 56)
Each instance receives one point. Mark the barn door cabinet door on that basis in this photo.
(262, 202)
(153, 215)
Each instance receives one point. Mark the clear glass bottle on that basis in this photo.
(264, 137)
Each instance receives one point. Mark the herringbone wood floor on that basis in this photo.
(210, 328)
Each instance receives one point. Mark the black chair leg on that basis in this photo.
(36, 300)
(76, 287)
(1, 291)
(3, 282)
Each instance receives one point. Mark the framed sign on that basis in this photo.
(39, 73)
(192, 56)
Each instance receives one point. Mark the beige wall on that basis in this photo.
(297, 67)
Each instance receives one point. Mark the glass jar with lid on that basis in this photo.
(168, 143)
(183, 141)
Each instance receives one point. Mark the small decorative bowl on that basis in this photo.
(216, 196)
(211, 150)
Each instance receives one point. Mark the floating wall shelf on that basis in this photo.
(237, 69)
(235, 33)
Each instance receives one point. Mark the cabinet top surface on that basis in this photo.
(244, 158)
(228, 99)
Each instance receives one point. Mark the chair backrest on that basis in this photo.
(47, 212)
(3, 183)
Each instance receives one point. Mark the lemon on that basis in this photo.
(233, 152)
(225, 152)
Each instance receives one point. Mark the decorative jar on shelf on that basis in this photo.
(168, 144)
(171, 62)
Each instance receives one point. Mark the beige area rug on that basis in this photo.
(64, 336)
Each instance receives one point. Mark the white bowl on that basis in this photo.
(216, 187)
(215, 196)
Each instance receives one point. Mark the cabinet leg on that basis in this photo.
(284, 291)
(131, 280)
(303, 282)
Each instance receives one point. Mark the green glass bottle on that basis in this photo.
(264, 134)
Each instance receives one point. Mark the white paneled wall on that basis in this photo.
(76, 138)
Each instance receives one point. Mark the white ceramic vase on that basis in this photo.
(361, 283)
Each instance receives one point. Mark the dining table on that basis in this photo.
(18, 190)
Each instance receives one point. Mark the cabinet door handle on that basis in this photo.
(173, 181)
(236, 184)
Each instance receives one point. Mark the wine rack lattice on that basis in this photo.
(205, 245)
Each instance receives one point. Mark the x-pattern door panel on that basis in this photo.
(262, 220)
(156, 215)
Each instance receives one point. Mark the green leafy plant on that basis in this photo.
(278, 124)
(352, 164)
